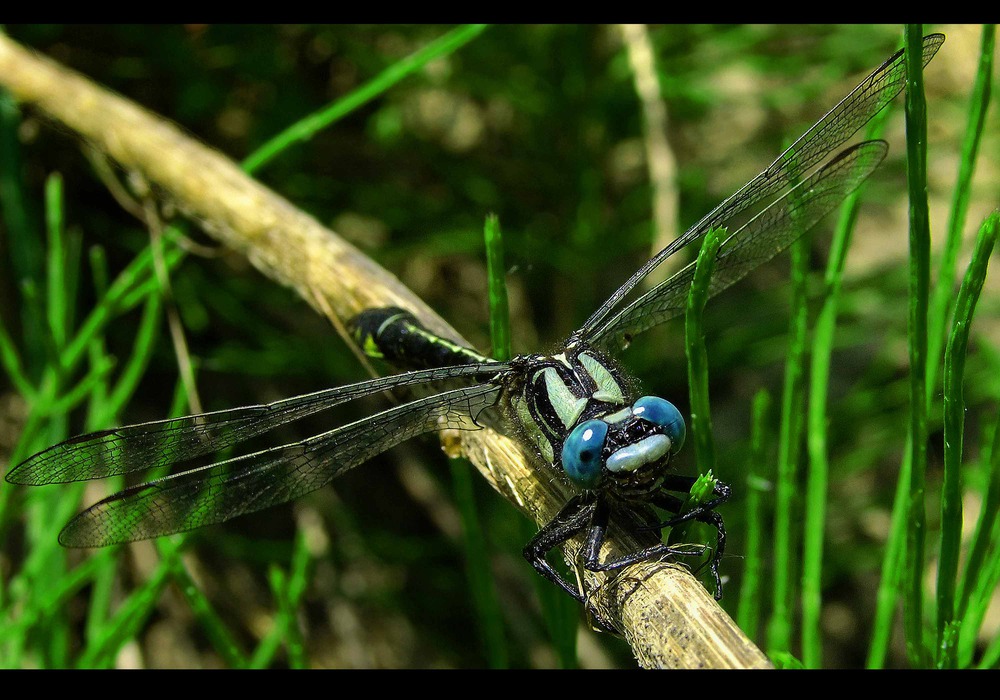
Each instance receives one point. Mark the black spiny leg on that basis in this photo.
(592, 548)
(704, 513)
(598, 529)
(574, 517)
(683, 484)
(588, 511)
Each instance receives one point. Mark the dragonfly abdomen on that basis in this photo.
(395, 335)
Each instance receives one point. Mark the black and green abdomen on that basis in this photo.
(395, 335)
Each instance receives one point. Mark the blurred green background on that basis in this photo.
(541, 125)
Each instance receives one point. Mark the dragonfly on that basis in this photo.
(575, 408)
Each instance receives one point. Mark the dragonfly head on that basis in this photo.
(618, 445)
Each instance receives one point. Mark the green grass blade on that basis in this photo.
(982, 570)
(146, 284)
(779, 633)
(814, 529)
(291, 599)
(697, 356)
(475, 546)
(102, 649)
(72, 397)
(982, 599)
(496, 273)
(697, 369)
(954, 428)
(976, 588)
(758, 484)
(559, 611)
(215, 629)
(11, 361)
(483, 593)
(991, 657)
(138, 361)
(130, 287)
(102, 591)
(893, 568)
(24, 242)
(103, 586)
(96, 350)
(919, 280)
(304, 129)
(268, 648)
(943, 293)
(56, 263)
(944, 288)
(29, 618)
(817, 419)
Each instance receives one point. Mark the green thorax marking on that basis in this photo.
(559, 391)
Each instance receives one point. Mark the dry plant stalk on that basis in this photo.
(668, 617)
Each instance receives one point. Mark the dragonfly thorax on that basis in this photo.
(577, 407)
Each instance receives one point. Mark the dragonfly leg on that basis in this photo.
(585, 512)
(590, 553)
(595, 537)
(574, 517)
(683, 484)
(592, 563)
(704, 513)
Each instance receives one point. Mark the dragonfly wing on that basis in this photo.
(833, 129)
(218, 492)
(159, 443)
(759, 240)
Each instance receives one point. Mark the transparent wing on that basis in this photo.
(759, 240)
(221, 491)
(159, 443)
(838, 125)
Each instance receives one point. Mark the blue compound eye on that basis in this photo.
(664, 414)
(581, 453)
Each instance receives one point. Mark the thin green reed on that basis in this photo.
(982, 568)
(944, 287)
(697, 356)
(558, 611)
(894, 565)
(981, 574)
(697, 370)
(817, 419)
(56, 263)
(951, 494)
(477, 564)
(954, 427)
(919, 281)
(41, 584)
(982, 578)
(219, 636)
(307, 127)
(288, 589)
(789, 446)
(477, 567)
(24, 242)
(496, 273)
(758, 483)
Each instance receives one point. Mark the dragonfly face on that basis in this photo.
(577, 409)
